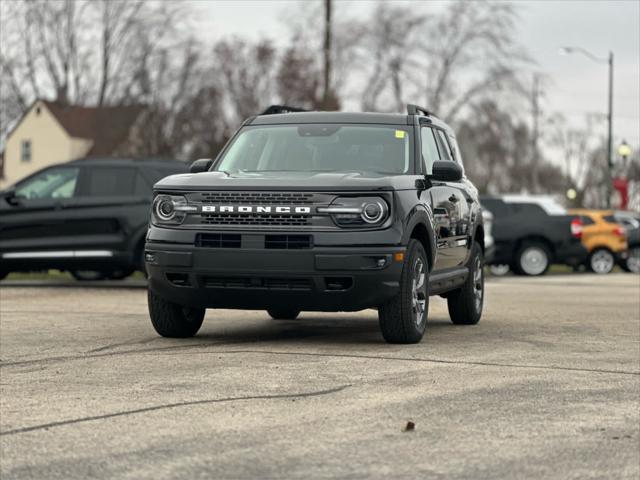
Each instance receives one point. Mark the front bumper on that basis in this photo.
(318, 279)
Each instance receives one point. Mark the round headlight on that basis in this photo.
(372, 212)
(165, 209)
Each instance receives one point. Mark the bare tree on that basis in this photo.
(247, 73)
(470, 50)
(388, 42)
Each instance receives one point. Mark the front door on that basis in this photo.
(34, 223)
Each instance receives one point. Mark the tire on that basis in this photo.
(120, 274)
(499, 270)
(172, 320)
(283, 314)
(632, 262)
(88, 275)
(601, 261)
(532, 259)
(403, 319)
(465, 303)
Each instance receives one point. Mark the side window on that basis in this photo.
(443, 144)
(141, 187)
(58, 182)
(110, 181)
(497, 207)
(25, 151)
(528, 209)
(429, 149)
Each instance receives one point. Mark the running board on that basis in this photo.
(441, 282)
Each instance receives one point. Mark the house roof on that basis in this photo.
(108, 127)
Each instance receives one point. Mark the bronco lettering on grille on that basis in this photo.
(253, 209)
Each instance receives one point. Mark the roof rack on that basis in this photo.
(274, 109)
(416, 110)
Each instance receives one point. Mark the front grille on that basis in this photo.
(258, 283)
(288, 242)
(218, 240)
(244, 219)
(258, 198)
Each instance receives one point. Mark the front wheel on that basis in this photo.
(601, 261)
(465, 303)
(403, 319)
(88, 275)
(172, 320)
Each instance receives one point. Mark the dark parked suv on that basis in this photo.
(320, 211)
(88, 216)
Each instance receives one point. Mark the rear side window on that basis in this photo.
(609, 219)
(586, 220)
(497, 207)
(142, 187)
(110, 181)
(527, 209)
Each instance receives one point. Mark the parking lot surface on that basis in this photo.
(547, 385)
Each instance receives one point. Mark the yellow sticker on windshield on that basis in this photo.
(400, 133)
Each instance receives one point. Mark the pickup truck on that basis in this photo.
(533, 232)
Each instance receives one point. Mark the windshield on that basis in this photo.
(320, 148)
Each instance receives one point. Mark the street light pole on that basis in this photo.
(609, 61)
(610, 132)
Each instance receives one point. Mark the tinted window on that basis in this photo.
(497, 207)
(530, 209)
(141, 187)
(587, 220)
(609, 219)
(429, 149)
(110, 181)
(59, 182)
(443, 144)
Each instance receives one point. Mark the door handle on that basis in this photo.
(453, 198)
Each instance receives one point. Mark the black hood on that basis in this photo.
(294, 181)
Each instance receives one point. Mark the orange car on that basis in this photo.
(604, 238)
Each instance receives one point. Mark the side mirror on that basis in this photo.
(201, 165)
(446, 171)
(10, 196)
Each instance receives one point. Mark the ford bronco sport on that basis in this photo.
(320, 211)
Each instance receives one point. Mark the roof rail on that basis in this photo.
(416, 110)
(274, 109)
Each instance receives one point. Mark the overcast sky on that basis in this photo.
(576, 86)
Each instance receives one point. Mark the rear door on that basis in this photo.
(36, 226)
(112, 204)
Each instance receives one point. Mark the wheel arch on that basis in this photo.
(419, 228)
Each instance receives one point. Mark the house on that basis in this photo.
(50, 133)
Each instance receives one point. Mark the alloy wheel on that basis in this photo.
(534, 261)
(602, 261)
(418, 293)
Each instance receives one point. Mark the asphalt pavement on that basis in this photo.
(547, 385)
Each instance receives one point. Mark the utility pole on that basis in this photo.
(327, 53)
(610, 133)
(535, 132)
(609, 61)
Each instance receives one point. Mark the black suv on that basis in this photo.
(323, 211)
(87, 216)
